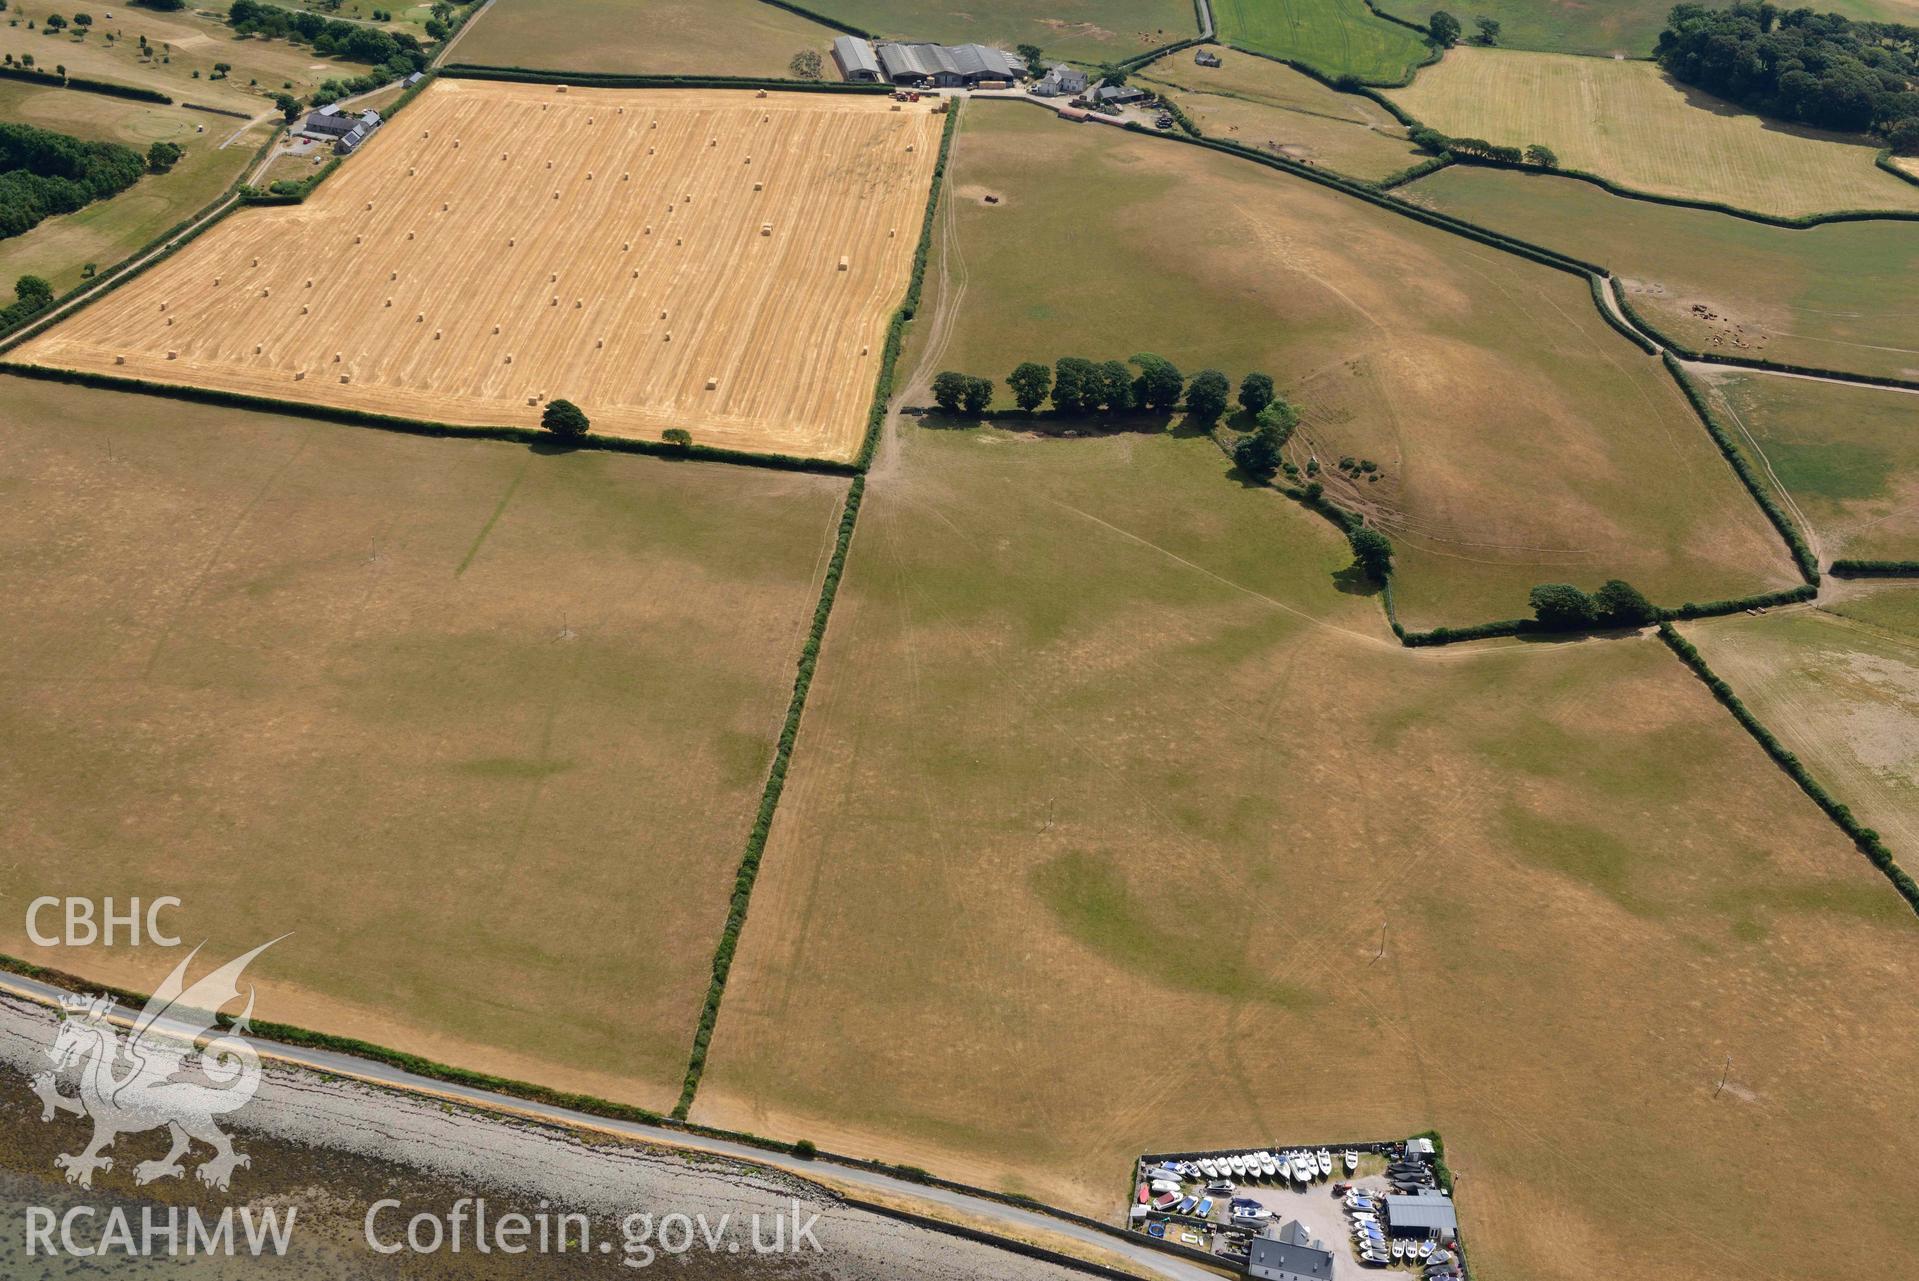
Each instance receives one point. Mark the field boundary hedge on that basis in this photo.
(834, 24)
(420, 426)
(1348, 84)
(1600, 285)
(1758, 362)
(622, 80)
(1884, 161)
(1413, 173)
(1728, 446)
(1531, 627)
(910, 304)
(215, 111)
(769, 801)
(1874, 569)
(1862, 836)
(85, 84)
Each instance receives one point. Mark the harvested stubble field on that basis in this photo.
(1257, 102)
(106, 232)
(1631, 124)
(1520, 440)
(1835, 296)
(484, 727)
(1130, 893)
(1842, 693)
(1088, 31)
(1845, 459)
(1334, 37)
(500, 245)
(651, 37)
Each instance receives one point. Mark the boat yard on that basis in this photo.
(1315, 1212)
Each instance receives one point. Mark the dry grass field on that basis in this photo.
(1845, 459)
(652, 37)
(104, 233)
(1843, 694)
(1256, 102)
(1835, 296)
(502, 245)
(1108, 796)
(1519, 439)
(1627, 122)
(483, 726)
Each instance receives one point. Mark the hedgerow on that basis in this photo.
(1874, 568)
(1862, 836)
(617, 80)
(84, 84)
(769, 800)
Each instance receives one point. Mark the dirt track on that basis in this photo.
(501, 245)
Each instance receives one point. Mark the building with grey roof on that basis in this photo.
(856, 59)
(1291, 1254)
(1422, 1214)
(1119, 95)
(331, 122)
(947, 66)
(1060, 81)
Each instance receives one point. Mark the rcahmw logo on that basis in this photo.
(84, 1232)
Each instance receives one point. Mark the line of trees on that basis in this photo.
(43, 173)
(1539, 156)
(1561, 607)
(1076, 385)
(1818, 69)
(354, 41)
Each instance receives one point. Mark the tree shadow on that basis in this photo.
(547, 446)
(1354, 581)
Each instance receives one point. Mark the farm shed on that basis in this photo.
(856, 59)
(1119, 95)
(1291, 1254)
(948, 66)
(1422, 1214)
(1206, 58)
(331, 122)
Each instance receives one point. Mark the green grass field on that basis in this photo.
(1836, 296)
(1088, 31)
(1519, 440)
(1628, 123)
(1334, 37)
(1607, 27)
(1846, 458)
(1108, 795)
(104, 233)
(1257, 102)
(1842, 693)
(484, 727)
(659, 37)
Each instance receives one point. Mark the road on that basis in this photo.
(1013, 1220)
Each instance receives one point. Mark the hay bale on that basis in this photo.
(163, 305)
(678, 241)
(304, 309)
(299, 375)
(766, 229)
(119, 360)
(173, 355)
(759, 186)
(436, 335)
(216, 282)
(843, 263)
(444, 206)
(496, 329)
(577, 304)
(712, 383)
(553, 277)
(259, 348)
(555, 302)
(336, 357)
(625, 176)
(419, 318)
(393, 275)
(256, 262)
(509, 358)
(346, 378)
(409, 235)
(512, 241)
(669, 335)
(389, 302)
(598, 343)
(169, 320)
(309, 284)
(369, 204)
(556, 89)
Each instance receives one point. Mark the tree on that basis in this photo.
(1620, 604)
(83, 20)
(163, 155)
(564, 419)
(1541, 155)
(1206, 396)
(1903, 136)
(165, 6)
(806, 65)
(1115, 383)
(949, 388)
(678, 437)
(1279, 416)
(1112, 73)
(1443, 28)
(1258, 454)
(33, 293)
(1159, 383)
(1561, 607)
(1255, 392)
(54, 22)
(1029, 384)
(1030, 55)
(1488, 29)
(976, 395)
(289, 106)
(1372, 552)
(1075, 384)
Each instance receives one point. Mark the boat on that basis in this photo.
(1441, 1255)
(1302, 1169)
(1425, 1249)
(1220, 1187)
(1145, 1194)
(1205, 1208)
(1239, 1166)
(1186, 1205)
(1268, 1166)
(1207, 1168)
(1165, 1185)
(1365, 1216)
(1352, 1161)
(1374, 1257)
(1166, 1200)
(1399, 1251)
(1324, 1160)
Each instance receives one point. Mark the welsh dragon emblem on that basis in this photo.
(159, 1073)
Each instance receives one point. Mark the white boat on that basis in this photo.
(1302, 1168)
(1325, 1162)
(1362, 1216)
(1441, 1256)
(1207, 1168)
(1352, 1161)
(1238, 1164)
(1399, 1251)
(1425, 1249)
(1268, 1166)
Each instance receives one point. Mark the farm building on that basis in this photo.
(1206, 58)
(1060, 81)
(856, 59)
(1289, 1255)
(947, 66)
(331, 122)
(1422, 1214)
(1119, 95)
